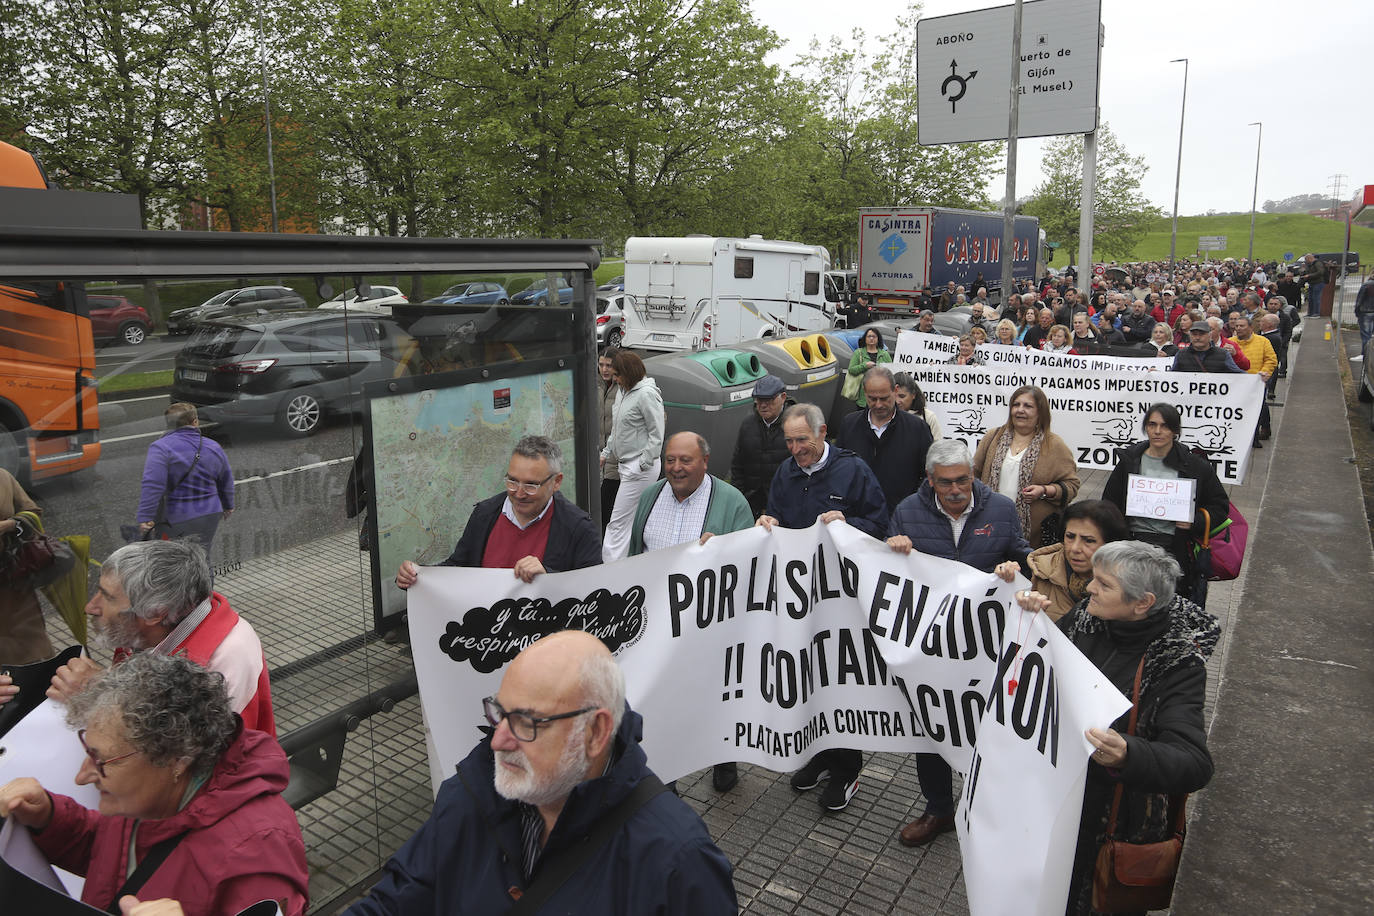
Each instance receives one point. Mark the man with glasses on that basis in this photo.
(562, 764)
(956, 516)
(530, 528)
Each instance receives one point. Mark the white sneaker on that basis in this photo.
(1357, 359)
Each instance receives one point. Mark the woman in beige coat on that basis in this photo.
(1027, 463)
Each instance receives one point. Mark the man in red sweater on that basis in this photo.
(530, 528)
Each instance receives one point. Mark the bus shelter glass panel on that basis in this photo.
(280, 370)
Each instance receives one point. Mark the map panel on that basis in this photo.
(440, 451)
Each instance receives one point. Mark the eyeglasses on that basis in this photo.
(944, 483)
(524, 486)
(96, 759)
(524, 726)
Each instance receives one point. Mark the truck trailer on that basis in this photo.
(700, 292)
(904, 250)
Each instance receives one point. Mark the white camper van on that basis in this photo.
(700, 292)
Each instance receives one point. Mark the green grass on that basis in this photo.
(1275, 234)
(135, 381)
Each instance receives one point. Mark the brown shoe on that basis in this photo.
(924, 829)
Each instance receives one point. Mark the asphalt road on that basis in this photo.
(287, 491)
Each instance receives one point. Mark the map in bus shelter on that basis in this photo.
(439, 451)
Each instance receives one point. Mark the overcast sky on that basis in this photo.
(1281, 63)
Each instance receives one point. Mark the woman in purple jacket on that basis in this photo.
(193, 473)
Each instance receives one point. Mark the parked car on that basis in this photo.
(610, 319)
(614, 285)
(291, 368)
(247, 300)
(538, 292)
(476, 292)
(116, 318)
(378, 301)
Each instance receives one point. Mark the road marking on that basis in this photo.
(151, 397)
(304, 467)
(104, 441)
(1283, 654)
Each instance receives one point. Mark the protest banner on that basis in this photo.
(766, 647)
(1099, 411)
(918, 347)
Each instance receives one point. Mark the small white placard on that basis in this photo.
(1166, 500)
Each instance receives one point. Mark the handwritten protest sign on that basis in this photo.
(1166, 500)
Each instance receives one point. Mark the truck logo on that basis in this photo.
(954, 77)
(892, 248)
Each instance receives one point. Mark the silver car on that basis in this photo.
(610, 319)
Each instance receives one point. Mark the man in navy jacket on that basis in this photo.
(892, 442)
(530, 528)
(827, 483)
(956, 516)
(563, 755)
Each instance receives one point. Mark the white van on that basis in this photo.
(701, 292)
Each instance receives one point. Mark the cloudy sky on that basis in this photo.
(1286, 64)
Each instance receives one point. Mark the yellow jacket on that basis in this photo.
(1260, 353)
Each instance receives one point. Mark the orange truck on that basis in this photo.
(49, 419)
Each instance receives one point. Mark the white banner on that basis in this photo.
(917, 347)
(1096, 411)
(767, 647)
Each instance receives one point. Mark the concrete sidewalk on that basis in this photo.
(1287, 825)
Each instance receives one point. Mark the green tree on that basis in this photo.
(1121, 214)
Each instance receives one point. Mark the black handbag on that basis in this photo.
(32, 559)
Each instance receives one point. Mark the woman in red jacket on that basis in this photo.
(180, 780)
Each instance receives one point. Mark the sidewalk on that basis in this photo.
(1286, 705)
(1287, 825)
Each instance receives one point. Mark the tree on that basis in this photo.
(1121, 214)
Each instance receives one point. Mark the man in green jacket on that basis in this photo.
(693, 506)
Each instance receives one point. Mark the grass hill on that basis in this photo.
(1275, 234)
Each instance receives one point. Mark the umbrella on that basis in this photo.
(69, 593)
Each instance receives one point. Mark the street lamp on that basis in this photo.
(1178, 170)
(1255, 198)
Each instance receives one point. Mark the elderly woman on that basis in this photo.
(1005, 333)
(1027, 463)
(1162, 340)
(911, 398)
(1132, 621)
(1162, 457)
(180, 778)
(1057, 341)
(23, 638)
(1062, 571)
(634, 446)
(968, 354)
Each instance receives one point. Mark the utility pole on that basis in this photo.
(1255, 199)
(1178, 170)
(1013, 116)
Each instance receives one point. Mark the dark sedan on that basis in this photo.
(291, 369)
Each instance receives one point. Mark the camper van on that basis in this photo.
(696, 293)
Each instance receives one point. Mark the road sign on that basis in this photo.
(963, 72)
(1211, 243)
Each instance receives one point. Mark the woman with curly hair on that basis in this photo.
(179, 778)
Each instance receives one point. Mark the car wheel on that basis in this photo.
(133, 333)
(1363, 393)
(300, 414)
(614, 337)
(503, 302)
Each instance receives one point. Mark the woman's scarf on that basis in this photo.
(1028, 459)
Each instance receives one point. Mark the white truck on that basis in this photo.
(700, 292)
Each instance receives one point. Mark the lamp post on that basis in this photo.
(1178, 170)
(1255, 197)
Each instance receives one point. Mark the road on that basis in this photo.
(287, 491)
